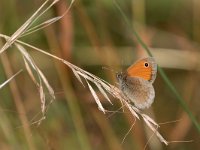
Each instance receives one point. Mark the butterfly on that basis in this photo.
(136, 82)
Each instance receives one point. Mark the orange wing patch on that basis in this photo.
(140, 70)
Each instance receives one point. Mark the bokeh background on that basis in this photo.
(93, 35)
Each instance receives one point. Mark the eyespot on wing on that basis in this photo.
(145, 68)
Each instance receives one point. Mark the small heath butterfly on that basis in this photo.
(136, 82)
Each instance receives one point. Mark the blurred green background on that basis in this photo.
(94, 35)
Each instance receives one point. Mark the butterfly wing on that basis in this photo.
(139, 91)
(145, 68)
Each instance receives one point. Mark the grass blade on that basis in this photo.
(77, 76)
(103, 92)
(3, 84)
(96, 98)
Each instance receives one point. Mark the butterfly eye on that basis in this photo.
(146, 64)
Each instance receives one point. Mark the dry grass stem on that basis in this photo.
(96, 98)
(47, 22)
(114, 91)
(21, 30)
(39, 79)
(29, 62)
(7, 81)
(25, 28)
(42, 83)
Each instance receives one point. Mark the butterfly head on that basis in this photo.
(120, 76)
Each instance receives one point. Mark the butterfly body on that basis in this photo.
(136, 82)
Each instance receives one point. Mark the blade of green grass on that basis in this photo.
(161, 71)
